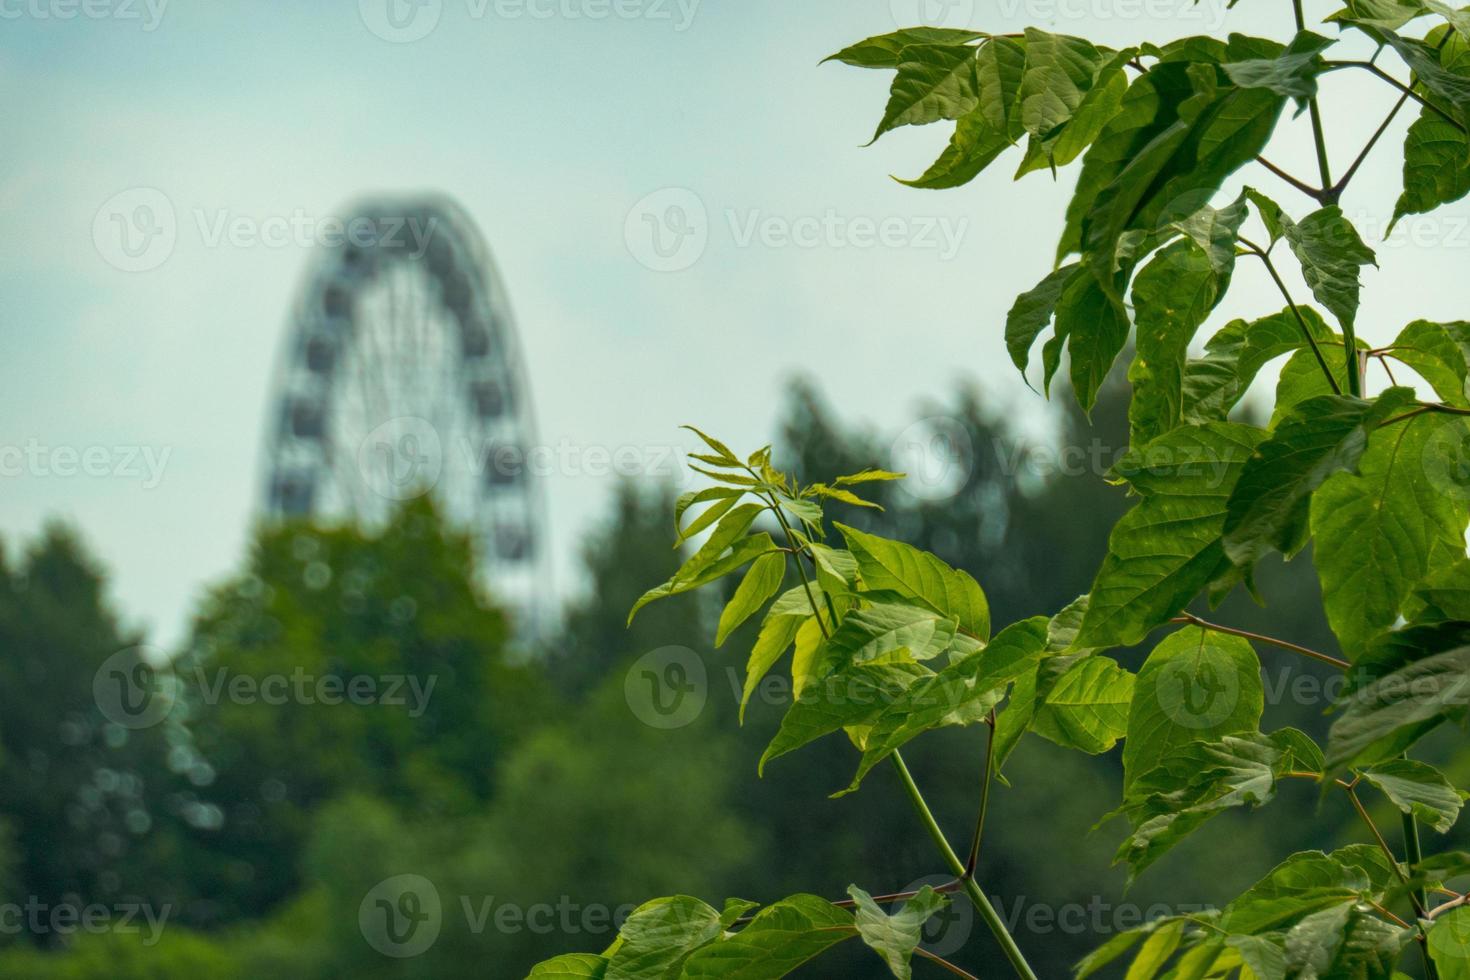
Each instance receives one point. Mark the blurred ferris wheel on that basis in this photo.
(401, 376)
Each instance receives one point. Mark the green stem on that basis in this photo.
(1317, 135)
(1261, 254)
(972, 888)
(1413, 854)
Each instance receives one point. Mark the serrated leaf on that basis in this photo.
(884, 50)
(1376, 531)
(959, 694)
(1420, 789)
(1305, 882)
(1429, 681)
(744, 550)
(1086, 707)
(1196, 685)
(760, 583)
(1331, 255)
(1440, 354)
(1069, 90)
(1217, 130)
(659, 935)
(1172, 296)
(1436, 166)
(886, 630)
(1302, 377)
(1215, 383)
(1096, 329)
(777, 633)
(886, 564)
(934, 81)
(894, 937)
(1344, 941)
(1167, 548)
(779, 939)
(1194, 783)
(1269, 506)
(852, 695)
(1292, 74)
(1032, 312)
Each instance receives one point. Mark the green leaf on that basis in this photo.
(692, 497)
(902, 568)
(1031, 313)
(572, 966)
(1096, 329)
(730, 528)
(894, 937)
(1233, 357)
(1419, 789)
(1265, 957)
(724, 453)
(1069, 90)
(1086, 707)
(777, 633)
(1449, 944)
(1271, 214)
(884, 630)
(804, 660)
(1436, 166)
(1194, 783)
(744, 550)
(1196, 685)
(1305, 882)
(1383, 14)
(1302, 377)
(1440, 354)
(779, 939)
(989, 129)
(1331, 253)
(1218, 129)
(850, 696)
(934, 81)
(1172, 295)
(1444, 595)
(973, 146)
(1292, 74)
(1376, 531)
(1427, 680)
(659, 935)
(1167, 548)
(867, 476)
(1343, 941)
(883, 50)
(759, 584)
(1269, 505)
(960, 694)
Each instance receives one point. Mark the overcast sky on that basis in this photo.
(551, 121)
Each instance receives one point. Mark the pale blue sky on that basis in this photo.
(548, 129)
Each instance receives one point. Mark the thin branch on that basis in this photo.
(941, 961)
(1301, 321)
(1316, 193)
(1404, 89)
(1444, 907)
(1326, 658)
(1335, 192)
(974, 858)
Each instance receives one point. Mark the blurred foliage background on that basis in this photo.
(245, 836)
